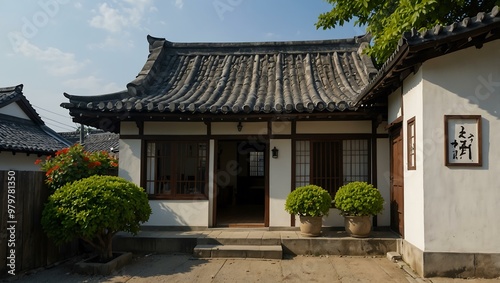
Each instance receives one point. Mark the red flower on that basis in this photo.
(94, 164)
(38, 161)
(62, 151)
(113, 164)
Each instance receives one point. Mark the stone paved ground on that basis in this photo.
(185, 268)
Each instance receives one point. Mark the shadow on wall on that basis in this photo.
(184, 213)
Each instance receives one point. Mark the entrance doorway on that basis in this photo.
(241, 183)
(397, 181)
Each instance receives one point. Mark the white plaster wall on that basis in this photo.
(334, 127)
(280, 185)
(193, 213)
(334, 219)
(129, 163)
(19, 161)
(129, 128)
(230, 128)
(282, 128)
(461, 202)
(175, 128)
(395, 105)
(384, 181)
(413, 179)
(14, 110)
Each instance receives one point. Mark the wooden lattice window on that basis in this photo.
(256, 163)
(411, 149)
(176, 169)
(331, 164)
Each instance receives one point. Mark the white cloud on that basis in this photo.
(91, 85)
(179, 3)
(115, 19)
(57, 62)
(112, 43)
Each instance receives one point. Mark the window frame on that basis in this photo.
(411, 144)
(298, 175)
(175, 188)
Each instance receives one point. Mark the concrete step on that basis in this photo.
(292, 242)
(268, 240)
(239, 251)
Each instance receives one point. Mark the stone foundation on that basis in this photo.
(454, 265)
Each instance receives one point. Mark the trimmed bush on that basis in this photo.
(310, 200)
(358, 199)
(95, 209)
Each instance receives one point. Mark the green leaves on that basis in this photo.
(387, 20)
(85, 208)
(308, 200)
(359, 198)
(73, 163)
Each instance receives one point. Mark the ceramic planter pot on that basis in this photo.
(310, 226)
(358, 226)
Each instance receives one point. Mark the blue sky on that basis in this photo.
(96, 47)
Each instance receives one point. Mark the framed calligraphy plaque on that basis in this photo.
(462, 138)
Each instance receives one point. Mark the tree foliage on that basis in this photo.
(387, 20)
(74, 163)
(95, 209)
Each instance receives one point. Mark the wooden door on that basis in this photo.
(397, 181)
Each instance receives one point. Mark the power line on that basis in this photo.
(45, 118)
(51, 111)
(60, 127)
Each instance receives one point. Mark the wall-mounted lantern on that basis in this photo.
(239, 127)
(275, 152)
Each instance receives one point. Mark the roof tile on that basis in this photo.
(212, 78)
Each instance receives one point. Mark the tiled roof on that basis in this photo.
(22, 135)
(214, 78)
(95, 140)
(102, 141)
(416, 47)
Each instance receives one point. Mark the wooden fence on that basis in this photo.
(21, 225)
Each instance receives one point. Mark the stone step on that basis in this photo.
(245, 241)
(239, 251)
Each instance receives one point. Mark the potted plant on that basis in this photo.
(357, 202)
(311, 203)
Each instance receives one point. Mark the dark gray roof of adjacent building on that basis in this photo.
(95, 140)
(239, 78)
(416, 47)
(102, 141)
(23, 135)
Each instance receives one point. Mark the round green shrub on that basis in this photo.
(310, 200)
(358, 199)
(94, 209)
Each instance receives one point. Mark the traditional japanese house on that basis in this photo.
(218, 134)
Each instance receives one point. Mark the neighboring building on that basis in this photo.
(201, 122)
(23, 135)
(96, 140)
